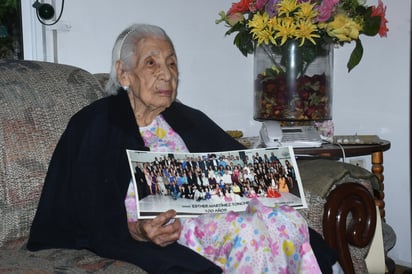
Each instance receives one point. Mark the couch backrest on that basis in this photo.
(36, 101)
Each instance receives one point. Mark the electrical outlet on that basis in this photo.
(357, 162)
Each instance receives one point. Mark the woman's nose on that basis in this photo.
(165, 72)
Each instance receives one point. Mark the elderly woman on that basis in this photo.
(87, 191)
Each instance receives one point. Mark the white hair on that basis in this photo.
(124, 50)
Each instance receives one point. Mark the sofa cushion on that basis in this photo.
(36, 101)
(320, 176)
(15, 258)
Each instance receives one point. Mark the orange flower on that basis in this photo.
(380, 10)
(242, 6)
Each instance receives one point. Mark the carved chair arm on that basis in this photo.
(349, 219)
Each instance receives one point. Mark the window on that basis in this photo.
(11, 38)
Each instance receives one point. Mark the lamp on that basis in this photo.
(46, 12)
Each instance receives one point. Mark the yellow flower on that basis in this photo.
(322, 25)
(222, 260)
(227, 238)
(286, 7)
(160, 132)
(285, 28)
(306, 11)
(258, 22)
(288, 248)
(343, 28)
(306, 30)
(260, 29)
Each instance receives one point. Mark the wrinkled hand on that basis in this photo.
(157, 230)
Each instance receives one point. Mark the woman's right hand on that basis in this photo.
(161, 230)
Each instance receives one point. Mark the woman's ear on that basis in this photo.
(122, 75)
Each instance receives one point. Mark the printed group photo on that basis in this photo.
(196, 183)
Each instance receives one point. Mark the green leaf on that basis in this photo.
(371, 24)
(244, 42)
(239, 27)
(355, 56)
(243, 39)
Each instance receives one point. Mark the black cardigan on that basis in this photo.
(82, 203)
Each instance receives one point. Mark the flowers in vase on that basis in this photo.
(312, 23)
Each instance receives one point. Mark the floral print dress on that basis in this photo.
(259, 240)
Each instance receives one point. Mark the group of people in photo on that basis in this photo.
(216, 177)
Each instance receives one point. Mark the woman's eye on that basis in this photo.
(150, 62)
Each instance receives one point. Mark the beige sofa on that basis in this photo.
(36, 101)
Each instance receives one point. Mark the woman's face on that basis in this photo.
(154, 79)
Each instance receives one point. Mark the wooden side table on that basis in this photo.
(331, 151)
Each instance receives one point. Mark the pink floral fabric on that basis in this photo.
(160, 137)
(130, 203)
(259, 240)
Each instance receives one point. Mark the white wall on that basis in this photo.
(216, 78)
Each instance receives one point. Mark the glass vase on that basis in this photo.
(293, 83)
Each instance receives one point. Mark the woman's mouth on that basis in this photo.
(165, 92)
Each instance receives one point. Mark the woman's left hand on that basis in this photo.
(162, 230)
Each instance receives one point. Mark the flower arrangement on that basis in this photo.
(289, 38)
(310, 22)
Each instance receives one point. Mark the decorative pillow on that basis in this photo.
(36, 101)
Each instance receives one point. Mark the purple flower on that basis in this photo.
(271, 8)
(260, 4)
(325, 9)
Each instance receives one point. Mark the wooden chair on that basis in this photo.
(349, 219)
